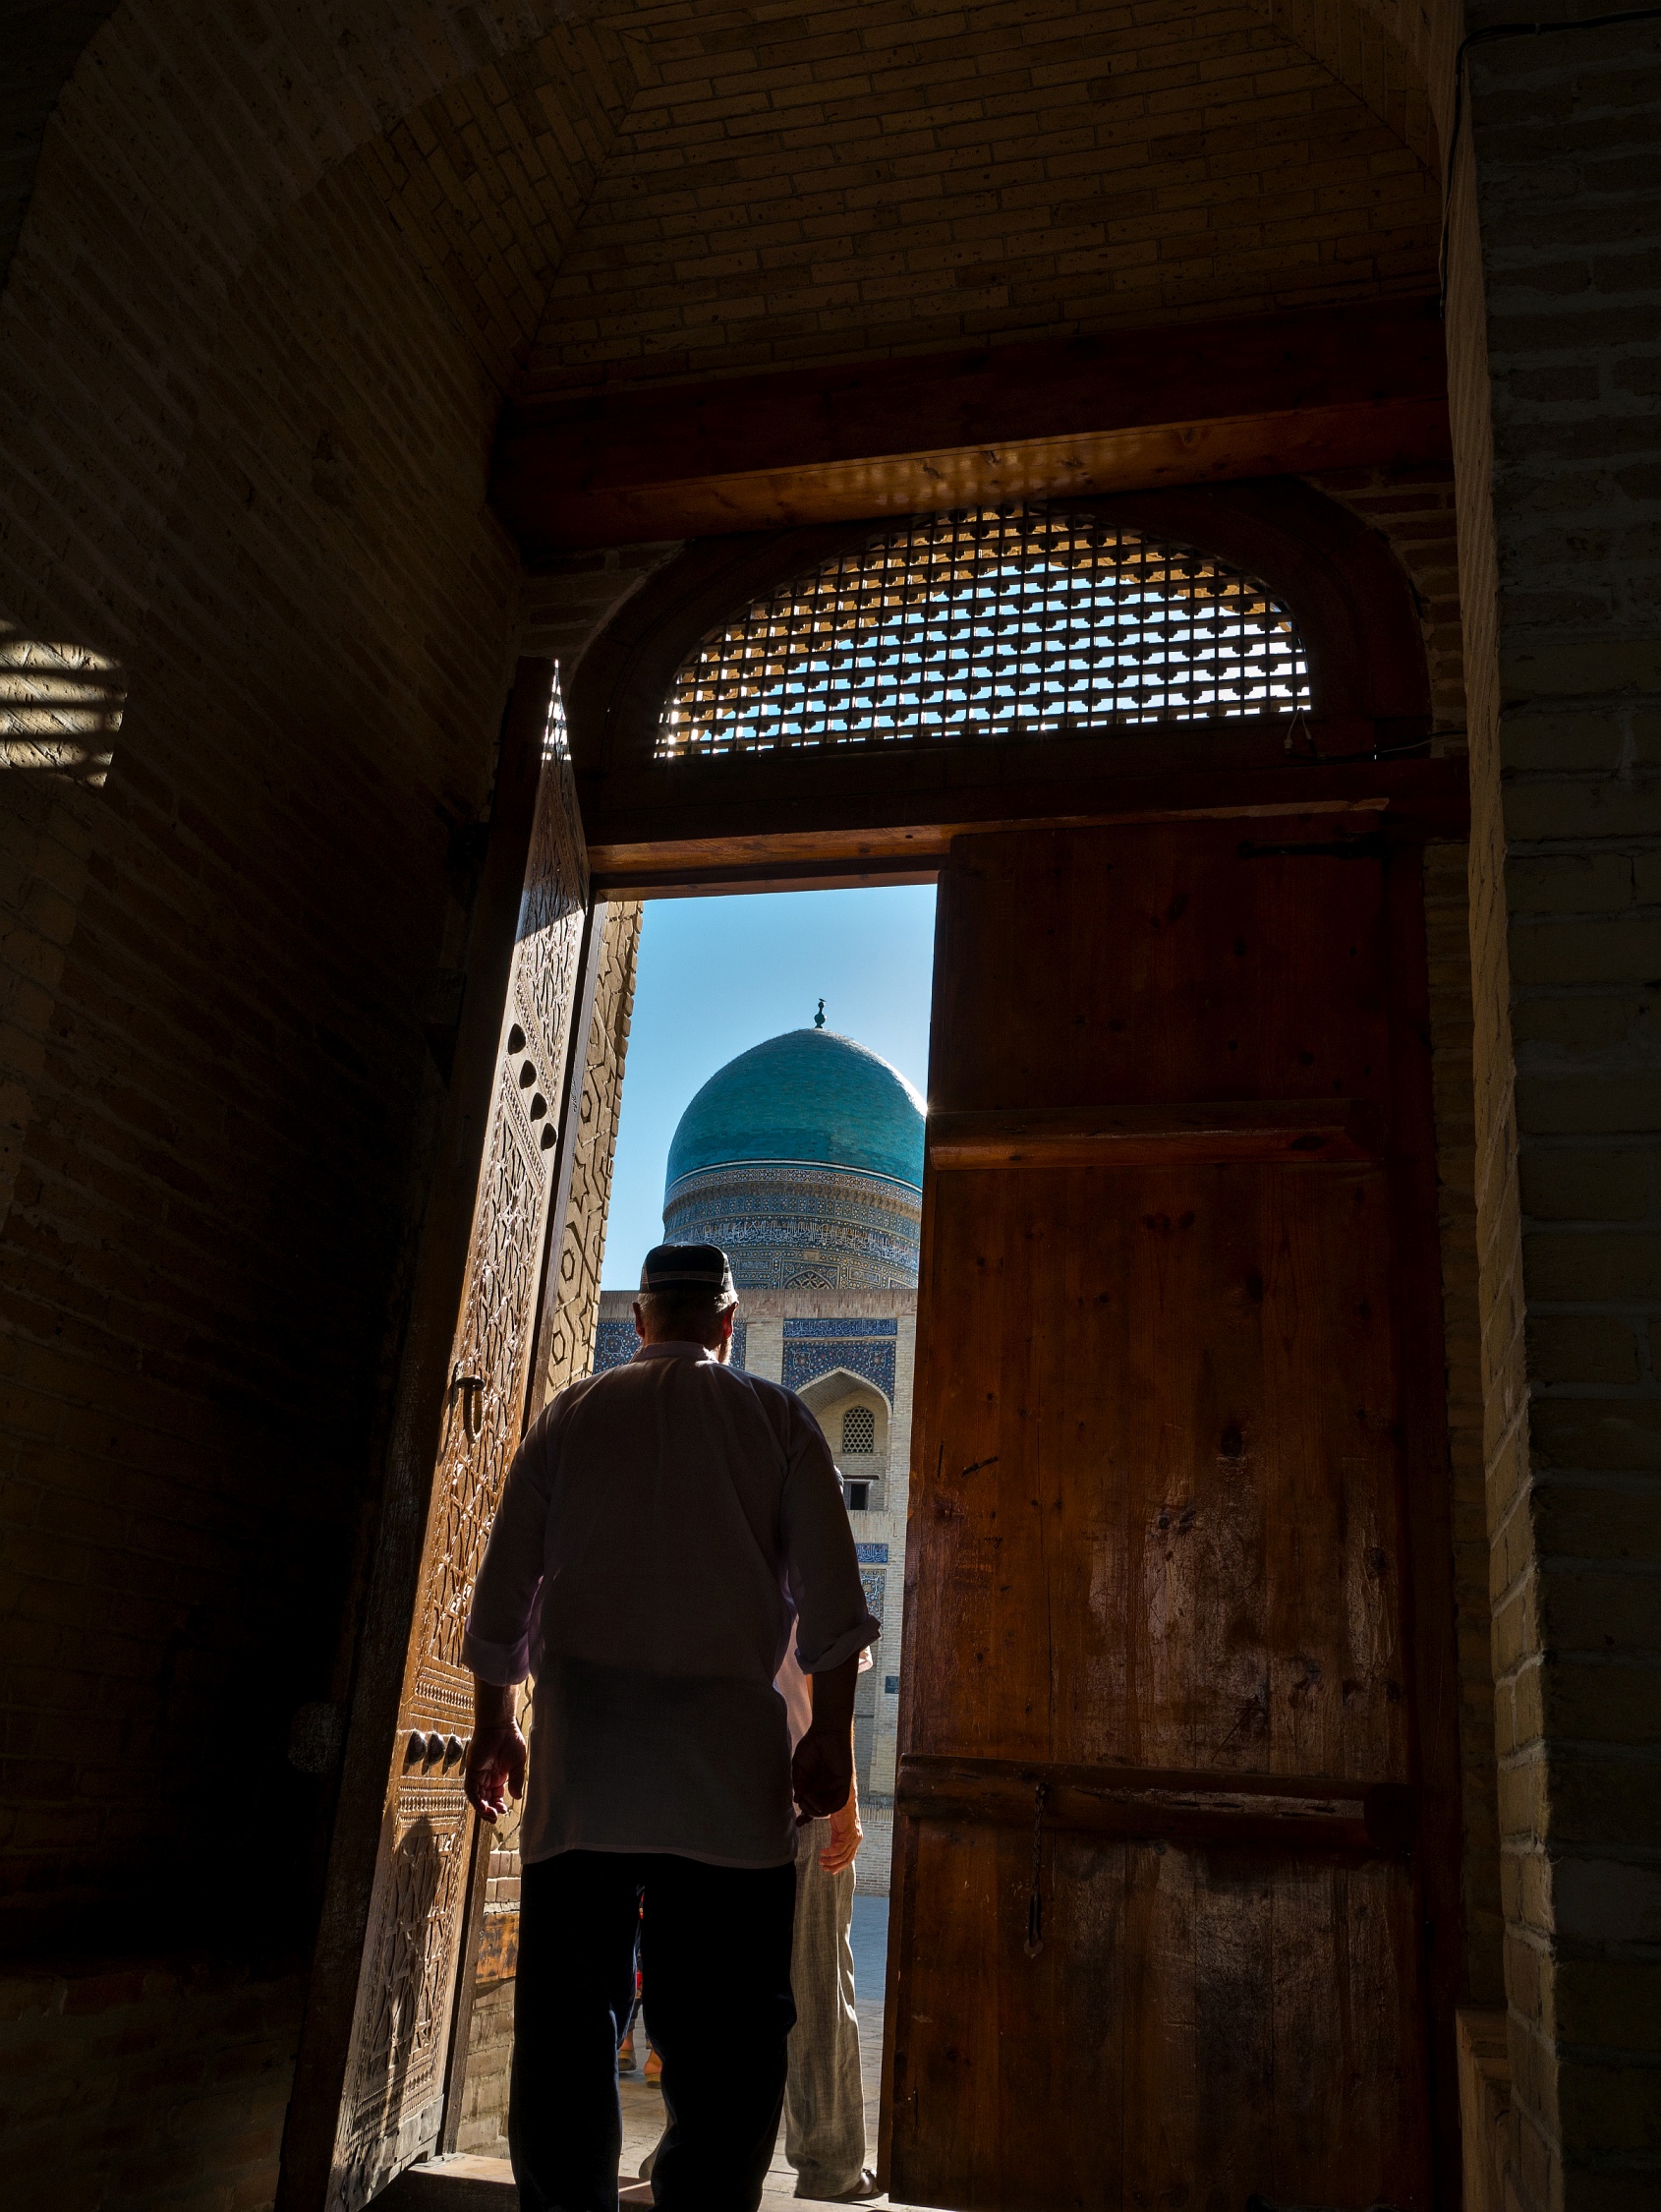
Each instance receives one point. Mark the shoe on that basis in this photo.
(625, 2054)
(862, 2190)
(654, 2067)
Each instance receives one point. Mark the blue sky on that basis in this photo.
(718, 975)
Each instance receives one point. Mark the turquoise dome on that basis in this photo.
(809, 1097)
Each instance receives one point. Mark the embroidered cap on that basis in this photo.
(687, 1268)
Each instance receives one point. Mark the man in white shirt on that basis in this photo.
(660, 1526)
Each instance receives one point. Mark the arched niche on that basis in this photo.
(856, 1418)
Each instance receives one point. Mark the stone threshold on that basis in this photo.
(457, 2183)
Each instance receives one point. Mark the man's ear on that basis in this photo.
(639, 1324)
(726, 1322)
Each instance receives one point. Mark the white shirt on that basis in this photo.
(660, 1527)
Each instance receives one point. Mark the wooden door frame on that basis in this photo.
(1424, 1471)
(796, 822)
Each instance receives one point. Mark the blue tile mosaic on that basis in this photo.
(877, 1554)
(806, 1358)
(840, 1329)
(794, 1226)
(872, 1582)
(615, 1345)
(891, 1685)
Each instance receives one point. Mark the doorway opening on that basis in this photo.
(1179, 834)
(772, 1102)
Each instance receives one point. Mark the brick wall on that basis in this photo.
(1556, 353)
(197, 1321)
(159, 2087)
(251, 354)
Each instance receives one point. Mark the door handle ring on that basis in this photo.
(471, 1388)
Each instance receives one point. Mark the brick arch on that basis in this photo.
(830, 1385)
(1385, 51)
(169, 170)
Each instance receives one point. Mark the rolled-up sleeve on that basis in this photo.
(833, 1619)
(497, 1643)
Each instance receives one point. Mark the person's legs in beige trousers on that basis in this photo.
(824, 2095)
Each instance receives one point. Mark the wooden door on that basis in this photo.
(372, 2081)
(1174, 1879)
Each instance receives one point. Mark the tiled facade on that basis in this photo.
(790, 1225)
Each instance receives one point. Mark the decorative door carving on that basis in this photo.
(573, 1286)
(392, 2108)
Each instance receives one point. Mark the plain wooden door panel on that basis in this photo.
(1215, 1593)
(1162, 1836)
(1180, 2056)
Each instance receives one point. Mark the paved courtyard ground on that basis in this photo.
(643, 2107)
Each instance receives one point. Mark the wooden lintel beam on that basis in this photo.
(1130, 410)
(644, 850)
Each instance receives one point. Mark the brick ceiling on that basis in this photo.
(809, 183)
(607, 188)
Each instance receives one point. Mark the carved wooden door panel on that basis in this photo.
(1176, 1808)
(392, 2108)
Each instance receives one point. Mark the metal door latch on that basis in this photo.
(471, 1390)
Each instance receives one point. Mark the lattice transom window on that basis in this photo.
(859, 1430)
(1001, 623)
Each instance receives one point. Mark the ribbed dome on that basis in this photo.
(808, 1096)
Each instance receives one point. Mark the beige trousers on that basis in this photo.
(824, 2096)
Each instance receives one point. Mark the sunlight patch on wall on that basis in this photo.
(60, 708)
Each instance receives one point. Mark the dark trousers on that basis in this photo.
(715, 1970)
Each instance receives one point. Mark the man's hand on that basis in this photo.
(821, 1771)
(847, 1837)
(496, 1757)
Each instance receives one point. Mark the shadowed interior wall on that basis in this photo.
(1556, 365)
(248, 411)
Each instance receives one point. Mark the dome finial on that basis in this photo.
(819, 1017)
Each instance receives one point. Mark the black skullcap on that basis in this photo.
(702, 1267)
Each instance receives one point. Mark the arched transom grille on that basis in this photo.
(1001, 623)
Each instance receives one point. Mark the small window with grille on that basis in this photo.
(859, 1429)
(996, 623)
